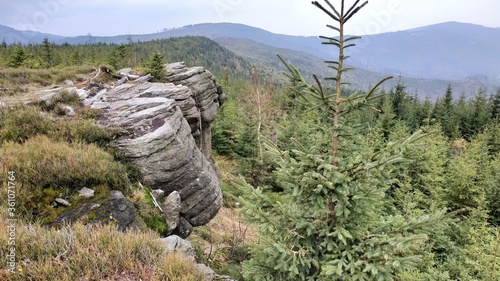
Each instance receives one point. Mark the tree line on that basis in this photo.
(192, 50)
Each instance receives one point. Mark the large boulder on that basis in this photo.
(166, 134)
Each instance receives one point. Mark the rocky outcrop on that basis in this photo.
(166, 134)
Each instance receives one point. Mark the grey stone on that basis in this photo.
(208, 273)
(158, 194)
(86, 192)
(121, 81)
(207, 94)
(174, 243)
(69, 111)
(184, 228)
(144, 78)
(62, 202)
(94, 206)
(124, 71)
(171, 210)
(69, 82)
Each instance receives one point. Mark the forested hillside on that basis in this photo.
(192, 50)
(341, 184)
(347, 185)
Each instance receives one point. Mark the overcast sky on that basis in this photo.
(293, 17)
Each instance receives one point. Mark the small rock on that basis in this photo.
(86, 192)
(144, 78)
(207, 272)
(158, 194)
(69, 111)
(124, 71)
(171, 210)
(121, 81)
(94, 206)
(69, 82)
(133, 77)
(62, 202)
(174, 243)
(184, 228)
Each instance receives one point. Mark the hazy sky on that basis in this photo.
(294, 17)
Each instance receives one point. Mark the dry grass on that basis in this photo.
(18, 85)
(224, 243)
(94, 252)
(227, 166)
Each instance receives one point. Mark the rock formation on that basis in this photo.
(166, 134)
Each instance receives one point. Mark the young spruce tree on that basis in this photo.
(332, 222)
(156, 66)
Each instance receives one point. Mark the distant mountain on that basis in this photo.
(265, 56)
(465, 53)
(11, 35)
(448, 51)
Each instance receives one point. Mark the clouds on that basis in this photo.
(297, 17)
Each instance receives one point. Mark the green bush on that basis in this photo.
(156, 66)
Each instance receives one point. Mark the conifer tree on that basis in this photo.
(481, 114)
(18, 57)
(156, 66)
(330, 222)
(495, 105)
(448, 118)
(47, 52)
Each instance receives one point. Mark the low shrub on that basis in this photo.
(45, 168)
(21, 123)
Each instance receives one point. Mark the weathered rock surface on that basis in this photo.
(166, 134)
(201, 108)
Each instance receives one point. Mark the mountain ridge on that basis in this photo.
(444, 51)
